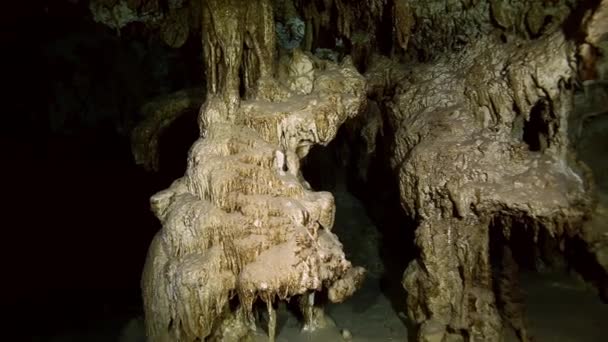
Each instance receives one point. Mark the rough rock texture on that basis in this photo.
(441, 26)
(593, 68)
(422, 30)
(589, 133)
(511, 300)
(242, 223)
(481, 116)
(480, 135)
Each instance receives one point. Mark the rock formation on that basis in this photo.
(479, 96)
(481, 142)
(592, 104)
(242, 223)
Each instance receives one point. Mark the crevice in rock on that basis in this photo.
(585, 263)
(536, 130)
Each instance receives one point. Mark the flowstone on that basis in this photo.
(481, 142)
(243, 224)
(477, 97)
(159, 114)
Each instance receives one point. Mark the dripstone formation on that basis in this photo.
(483, 102)
(242, 224)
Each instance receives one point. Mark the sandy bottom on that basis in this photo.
(560, 309)
(368, 316)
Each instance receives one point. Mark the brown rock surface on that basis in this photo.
(482, 115)
(242, 223)
(481, 136)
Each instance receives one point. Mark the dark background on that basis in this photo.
(76, 222)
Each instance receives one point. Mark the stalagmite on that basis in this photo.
(313, 314)
(511, 296)
(242, 224)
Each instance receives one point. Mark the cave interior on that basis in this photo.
(433, 170)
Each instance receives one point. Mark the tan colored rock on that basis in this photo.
(432, 331)
(176, 22)
(481, 142)
(592, 54)
(301, 74)
(596, 26)
(242, 224)
(464, 160)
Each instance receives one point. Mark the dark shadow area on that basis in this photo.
(78, 221)
(572, 27)
(532, 253)
(585, 264)
(385, 31)
(591, 150)
(522, 244)
(174, 145)
(82, 226)
(341, 168)
(536, 129)
(382, 199)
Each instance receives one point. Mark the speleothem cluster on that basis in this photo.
(479, 96)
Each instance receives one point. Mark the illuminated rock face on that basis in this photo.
(482, 126)
(481, 142)
(242, 223)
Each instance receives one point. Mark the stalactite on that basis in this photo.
(480, 116)
(242, 222)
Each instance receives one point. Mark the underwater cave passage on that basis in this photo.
(371, 225)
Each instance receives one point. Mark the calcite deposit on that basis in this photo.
(175, 20)
(481, 142)
(480, 100)
(242, 224)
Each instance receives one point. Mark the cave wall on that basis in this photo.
(462, 162)
(481, 134)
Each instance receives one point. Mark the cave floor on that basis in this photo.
(560, 309)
